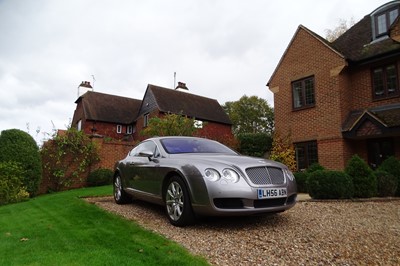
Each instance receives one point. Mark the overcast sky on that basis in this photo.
(220, 49)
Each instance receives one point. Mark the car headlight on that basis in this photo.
(212, 174)
(230, 175)
(289, 174)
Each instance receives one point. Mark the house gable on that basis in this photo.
(177, 102)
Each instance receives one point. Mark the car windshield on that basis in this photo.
(188, 145)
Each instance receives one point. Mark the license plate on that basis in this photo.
(268, 193)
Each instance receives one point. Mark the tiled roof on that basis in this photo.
(109, 108)
(357, 43)
(388, 116)
(202, 108)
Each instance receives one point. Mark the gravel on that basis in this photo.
(311, 233)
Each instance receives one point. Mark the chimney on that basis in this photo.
(181, 87)
(84, 87)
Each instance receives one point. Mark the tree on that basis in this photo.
(283, 151)
(332, 35)
(170, 125)
(250, 115)
(19, 147)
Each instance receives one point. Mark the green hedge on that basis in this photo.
(392, 166)
(325, 184)
(301, 181)
(11, 185)
(364, 180)
(18, 146)
(387, 183)
(100, 177)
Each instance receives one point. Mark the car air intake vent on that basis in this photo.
(265, 175)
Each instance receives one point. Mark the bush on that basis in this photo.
(18, 146)
(301, 180)
(325, 184)
(100, 177)
(364, 180)
(11, 185)
(392, 166)
(387, 183)
(255, 144)
(314, 167)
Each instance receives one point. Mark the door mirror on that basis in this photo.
(146, 153)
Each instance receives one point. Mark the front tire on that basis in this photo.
(120, 196)
(177, 203)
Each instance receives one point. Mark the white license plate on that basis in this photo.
(268, 193)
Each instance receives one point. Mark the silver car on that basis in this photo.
(195, 176)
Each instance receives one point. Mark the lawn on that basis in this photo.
(63, 229)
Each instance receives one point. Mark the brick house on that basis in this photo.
(210, 117)
(336, 99)
(106, 115)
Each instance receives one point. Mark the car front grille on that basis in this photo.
(266, 175)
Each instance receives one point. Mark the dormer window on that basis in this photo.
(383, 18)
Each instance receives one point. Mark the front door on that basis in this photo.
(379, 150)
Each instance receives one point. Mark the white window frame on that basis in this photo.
(119, 129)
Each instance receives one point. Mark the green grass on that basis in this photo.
(62, 229)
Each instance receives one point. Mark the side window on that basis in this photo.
(119, 129)
(145, 146)
(145, 120)
(303, 93)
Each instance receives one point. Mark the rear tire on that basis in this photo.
(120, 196)
(177, 203)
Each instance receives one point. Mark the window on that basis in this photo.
(119, 129)
(303, 93)
(198, 124)
(306, 154)
(384, 19)
(129, 130)
(79, 125)
(385, 82)
(145, 120)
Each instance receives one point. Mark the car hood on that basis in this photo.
(228, 160)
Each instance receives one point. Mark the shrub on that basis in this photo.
(325, 184)
(314, 167)
(387, 183)
(254, 144)
(301, 180)
(100, 177)
(18, 146)
(11, 185)
(283, 151)
(392, 166)
(364, 180)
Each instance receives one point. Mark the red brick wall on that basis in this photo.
(307, 56)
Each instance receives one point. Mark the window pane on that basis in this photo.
(312, 153)
(297, 94)
(391, 79)
(378, 82)
(393, 15)
(381, 24)
(300, 157)
(309, 84)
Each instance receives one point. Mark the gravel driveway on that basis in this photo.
(311, 233)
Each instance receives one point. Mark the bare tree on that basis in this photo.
(343, 26)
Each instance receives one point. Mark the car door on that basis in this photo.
(141, 167)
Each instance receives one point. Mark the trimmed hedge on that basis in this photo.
(387, 183)
(11, 185)
(364, 180)
(301, 181)
(100, 177)
(326, 184)
(18, 146)
(392, 166)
